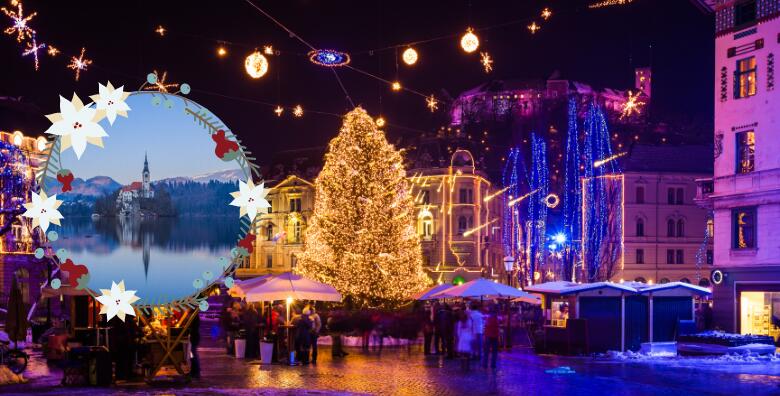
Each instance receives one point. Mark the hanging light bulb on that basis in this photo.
(221, 51)
(395, 86)
(469, 42)
(410, 56)
(256, 65)
(380, 122)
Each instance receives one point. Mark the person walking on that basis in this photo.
(428, 329)
(465, 331)
(251, 322)
(316, 326)
(194, 343)
(303, 328)
(491, 338)
(335, 325)
(478, 321)
(437, 331)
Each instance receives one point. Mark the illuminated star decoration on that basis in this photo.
(116, 302)
(52, 50)
(533, 28)
(632, 105)
(268, 50)
(32, 48)
(298, 111)
(80, 63)
(432, 103)
(279, 110)
(160, 85)
(546, 13)
(160, 30)
(487, 62)
(19, 26)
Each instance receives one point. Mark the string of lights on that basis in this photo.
(572, 189)
(537, 208)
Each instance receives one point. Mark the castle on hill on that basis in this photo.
(128, 201)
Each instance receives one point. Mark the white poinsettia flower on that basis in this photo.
(112, 101)
(250, 198)
(117, 301)
(43, 210)
(78, 125)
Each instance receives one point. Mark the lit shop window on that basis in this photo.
(745, 78)
(744, 228)
(759, 312)
(746, 151)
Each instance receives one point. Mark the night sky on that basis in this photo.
(600, 47)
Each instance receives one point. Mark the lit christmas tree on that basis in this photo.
(361, 238)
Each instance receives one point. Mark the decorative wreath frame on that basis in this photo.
(212, 125)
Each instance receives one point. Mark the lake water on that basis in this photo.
(160, 258)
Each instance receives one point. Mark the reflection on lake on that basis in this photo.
(159, 257)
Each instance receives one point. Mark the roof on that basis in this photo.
(669, 158)
(551, 287)
(673, 285)
(599, 285)
(132, 187)
(706, 6)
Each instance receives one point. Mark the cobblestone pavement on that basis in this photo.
(397, 371)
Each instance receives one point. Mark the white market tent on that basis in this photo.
(289, 285)
(428, 293)
(482, 288)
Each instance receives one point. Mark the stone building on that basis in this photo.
(664, 230)
(745, 190)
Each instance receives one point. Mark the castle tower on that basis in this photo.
(145, 192)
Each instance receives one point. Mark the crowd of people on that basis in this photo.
(470, 331)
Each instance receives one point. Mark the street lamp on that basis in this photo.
(509, 263)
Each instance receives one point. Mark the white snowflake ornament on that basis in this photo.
(43, 210)
(78, 125)
(250, 198)
(112, 101)
(116, 302)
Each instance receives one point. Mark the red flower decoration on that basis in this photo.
(75, 271)
(224, 146)
(65, 177)
(246, 242)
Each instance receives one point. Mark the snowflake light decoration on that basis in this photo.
(298, 111)
(432, 103)
(32, 48)
(487, 62)
(632, 105)
(546, 13)
(19, 25)
(268, 50)
(329, 58)
(279, 110)
(160, 30)
(52, 50)
(533, 27)
(159, 83)
(80, 63)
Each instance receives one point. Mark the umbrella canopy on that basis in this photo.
(240, 287)
(482, 287)
(535, 299)
(282, 286)
(16, 320)
(428, 293)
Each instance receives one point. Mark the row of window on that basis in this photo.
(297, 229)
(295, 205)
(673, 229)
(674, 195)
(465, 196)
(269, 261)
(673, 256)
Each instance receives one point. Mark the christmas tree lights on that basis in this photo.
(362, 238)
(515, 179)
(572, 191)
(537, 208)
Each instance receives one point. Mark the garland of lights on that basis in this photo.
(596, 207)
(16, 183)
(572, 190)
(537, 208)
(512, 225)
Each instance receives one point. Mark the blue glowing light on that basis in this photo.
(560, 238)
(329, 58)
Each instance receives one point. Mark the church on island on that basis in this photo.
(128, 201)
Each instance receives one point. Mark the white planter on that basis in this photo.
(240, 345)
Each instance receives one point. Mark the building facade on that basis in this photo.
(458, 220)
(280, 231)
(667, 236)
(128, 200)
(745, 190)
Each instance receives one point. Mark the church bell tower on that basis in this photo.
(146, 187)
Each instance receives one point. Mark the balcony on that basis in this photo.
(704, 189)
